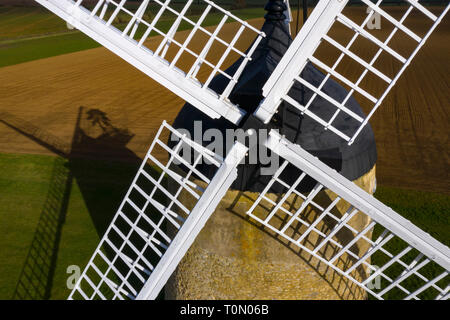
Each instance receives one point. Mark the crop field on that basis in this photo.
(28, 34)
(75, 120)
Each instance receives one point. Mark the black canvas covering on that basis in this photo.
(351, 161)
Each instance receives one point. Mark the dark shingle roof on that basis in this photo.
(351, 161)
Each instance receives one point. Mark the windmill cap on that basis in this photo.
(275, 10)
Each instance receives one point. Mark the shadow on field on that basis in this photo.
(103, 168)
(36, 278)
(102, 165)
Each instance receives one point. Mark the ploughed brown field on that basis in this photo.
(40, 103)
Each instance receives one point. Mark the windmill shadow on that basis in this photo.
(103, 168)
(102, 165)
(36, 278)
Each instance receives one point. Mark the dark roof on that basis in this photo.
(351, 161)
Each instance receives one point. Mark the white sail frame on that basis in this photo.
(325, 15)
(97, 25)
(290, 224)
(121, 267)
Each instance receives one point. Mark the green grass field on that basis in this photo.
(28, 34)
(428, 211)
(53, 212)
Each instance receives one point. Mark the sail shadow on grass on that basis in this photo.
(36, 278)
(103, 168)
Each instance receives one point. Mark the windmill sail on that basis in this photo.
(354, 52)
(153, 229)
(137, 254)
(178, 70)
(405, 254)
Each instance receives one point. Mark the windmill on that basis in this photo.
(153, 229)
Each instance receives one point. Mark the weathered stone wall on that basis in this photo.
(233, 258)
